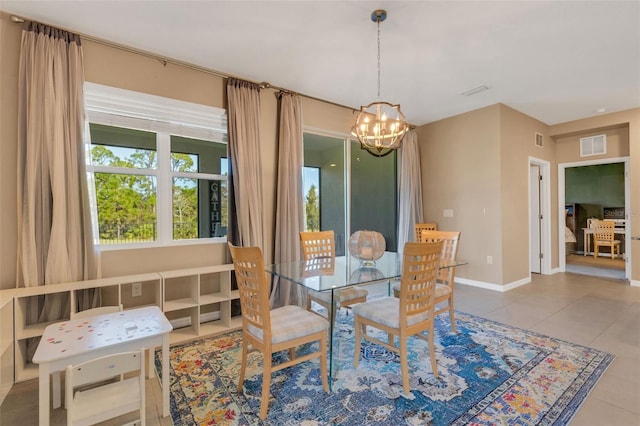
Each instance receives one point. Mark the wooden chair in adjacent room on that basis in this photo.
(446, 274)
(409, 315)
(424, 227)
(604, 235)
(270, 331)
(319, 244)
(113, 399)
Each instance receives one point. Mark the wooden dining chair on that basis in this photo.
(409, 315)
(270, 331)
(419, 227)
(604, 235)
(113, 399)
(446, 274)
(321, 244)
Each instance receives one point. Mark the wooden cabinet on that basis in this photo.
(198, 302)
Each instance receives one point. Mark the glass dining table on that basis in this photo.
(332, 274)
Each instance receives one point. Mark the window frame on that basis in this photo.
(165, 117)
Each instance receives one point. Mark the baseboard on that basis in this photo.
(491, 286)
(634, 283)
(186, 321)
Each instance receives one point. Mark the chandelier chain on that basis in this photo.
(378, 21)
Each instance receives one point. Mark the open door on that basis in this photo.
(535, 219)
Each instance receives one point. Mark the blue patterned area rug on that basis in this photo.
(489, 373)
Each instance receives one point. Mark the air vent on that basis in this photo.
(593, 145)
(538, 141)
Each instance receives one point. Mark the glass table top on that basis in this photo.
(328, 273)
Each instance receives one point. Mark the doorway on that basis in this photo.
(612, 188)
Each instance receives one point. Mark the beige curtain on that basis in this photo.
(245, 178)
(55, 238)
(289, 203)
(409, 189)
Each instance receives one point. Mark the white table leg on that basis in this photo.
(43, 394)
(55, 383)
(151, 371)
(165, 375)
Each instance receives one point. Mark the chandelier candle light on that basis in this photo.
(380, 126)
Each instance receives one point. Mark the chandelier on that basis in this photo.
(380, 126)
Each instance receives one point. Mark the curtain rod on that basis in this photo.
(165, 61)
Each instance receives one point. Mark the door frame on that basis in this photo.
(545, 209)
(562, 264)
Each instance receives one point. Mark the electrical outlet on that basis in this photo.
(489, 260)
(447, 213)
(136, 289)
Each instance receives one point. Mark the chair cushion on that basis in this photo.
(344, 295)
(290, 322)
(386, 311)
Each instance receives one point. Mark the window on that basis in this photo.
(311, 184)
(159, 168)
(355, 190)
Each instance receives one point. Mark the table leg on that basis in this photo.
(165, 375)
(43, 395)
(55, 384)
(151, 371)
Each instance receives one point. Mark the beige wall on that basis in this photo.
(460, 161)
(119, 68)
(568, 146)
(517, 146)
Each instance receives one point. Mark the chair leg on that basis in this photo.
(404, 364)
(266, 386)
(243, 364)
(356, 351)
(432, 353)
(452, 318)
(323, 363)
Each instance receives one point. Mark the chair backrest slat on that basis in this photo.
(419, 272)
(317, 244)
(449, 250)
(106, 367)
(419, 227)
(253, 287)
(604, 230)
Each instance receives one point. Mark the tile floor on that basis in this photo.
(598, 312)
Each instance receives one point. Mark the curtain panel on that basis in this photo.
(55, 234)
(289, 202)
(409, 190)
(246, 224)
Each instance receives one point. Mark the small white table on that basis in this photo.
(75, 341)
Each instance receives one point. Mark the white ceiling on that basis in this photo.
(553, 60)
